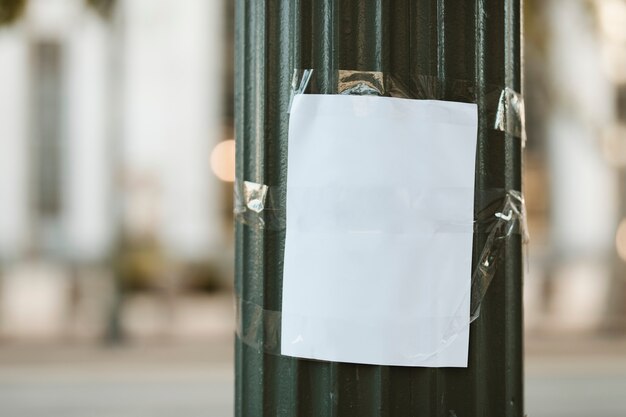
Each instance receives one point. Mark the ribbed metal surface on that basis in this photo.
(471, 40)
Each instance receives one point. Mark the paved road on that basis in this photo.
(155, 396)
(589, 384)
(576, 396)
(197, 382)
(127, 382)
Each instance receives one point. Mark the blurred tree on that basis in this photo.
(103, 7)
(11, 10)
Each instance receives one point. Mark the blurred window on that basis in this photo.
(621, 102)
(47, 139)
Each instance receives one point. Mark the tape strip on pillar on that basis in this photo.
(503, 106)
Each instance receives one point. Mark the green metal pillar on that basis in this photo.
(476, 40)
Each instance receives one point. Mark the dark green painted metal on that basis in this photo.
(475, 40)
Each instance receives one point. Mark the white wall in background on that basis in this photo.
(34, 300)
(173, 116)
(13, 144)
(583, 186)
(583, 191)
(88, 211)
(85, 229)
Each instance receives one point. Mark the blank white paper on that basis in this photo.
(378, 251)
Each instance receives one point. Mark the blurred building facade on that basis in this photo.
(109, 114)
(573, 183)
(113, 221)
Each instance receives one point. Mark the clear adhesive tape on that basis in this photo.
(259, 206)
(502, 104)
(503, 216)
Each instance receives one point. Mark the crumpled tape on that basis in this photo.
(510, 113)
(360, 83)
(509, 220)
(259, 205)
(299, 82)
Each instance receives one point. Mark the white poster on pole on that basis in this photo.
(378, 252)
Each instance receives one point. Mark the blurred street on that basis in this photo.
(576, 378)
(564, 379)
(181, 381)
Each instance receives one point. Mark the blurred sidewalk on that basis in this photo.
(194, 380)
(575, 376)
(178, 364)
(567, 376)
